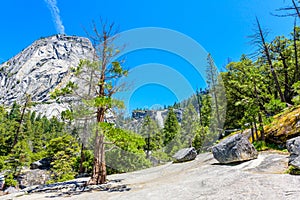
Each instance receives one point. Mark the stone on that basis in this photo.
(2, 182)
(236, 148)
(10, 190)
(293, 146)
(33, 177)
(186, 154)
(41, 164)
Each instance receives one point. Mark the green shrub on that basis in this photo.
(260, 145)
(10, 181)
(293, 170)
(63, 151)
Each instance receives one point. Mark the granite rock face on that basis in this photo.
(33, 177)
(293, 146)
(40, 68)
(234, 149)
(186, 154)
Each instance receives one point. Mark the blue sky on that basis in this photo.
(220, 26)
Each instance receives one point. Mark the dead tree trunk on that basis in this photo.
(16, 137)
(269, 60)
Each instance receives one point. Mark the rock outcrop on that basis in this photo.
(29, 178)
(293, 146)
(234, 149)
(40, 68)
(158, 115)
(285, 126)
(186, 154)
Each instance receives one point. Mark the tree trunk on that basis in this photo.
(287, 90)
(199, 101)
(99, 166)
(267, 54)
(296, 8)
(82, 159)
(296, 73)
(215, 94)
(148, 146)
(261, 127)
(255, 128)
(252, 133)
(20, 123)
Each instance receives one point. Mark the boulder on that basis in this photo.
(10, 190)
(2, 181)
(33, 177)
(234, 149)
(293, 146)
(41, 164)
(185, 154)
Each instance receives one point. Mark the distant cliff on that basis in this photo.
(40, 68)
(137, 118)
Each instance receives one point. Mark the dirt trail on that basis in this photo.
(202, 178)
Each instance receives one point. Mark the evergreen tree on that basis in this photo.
(150, 131)
(171, 133)
(217, 92)
(63, 151)
(189, 125)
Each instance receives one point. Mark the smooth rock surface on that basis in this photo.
(201, 179)
(293, 146)
(186, 154)
(234, 149)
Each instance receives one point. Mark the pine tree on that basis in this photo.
(150, 131)
(171, 133)
(189, 125)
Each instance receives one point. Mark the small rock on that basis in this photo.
(185, 154)
(2, 182)
(293, 146)
(234, 149)
(41, 164)
(10, 190)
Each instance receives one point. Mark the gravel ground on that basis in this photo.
(203, 178)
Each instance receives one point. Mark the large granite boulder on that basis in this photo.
(185, 154)
(33, 177)
(234, 149)
(293, 146)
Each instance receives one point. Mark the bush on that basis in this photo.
(260, 145)
(63, 151)
(87, 163)
(293, 170)
(162, 156)
(10, 181)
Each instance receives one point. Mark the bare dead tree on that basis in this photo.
(289, 11)
(259, 39)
